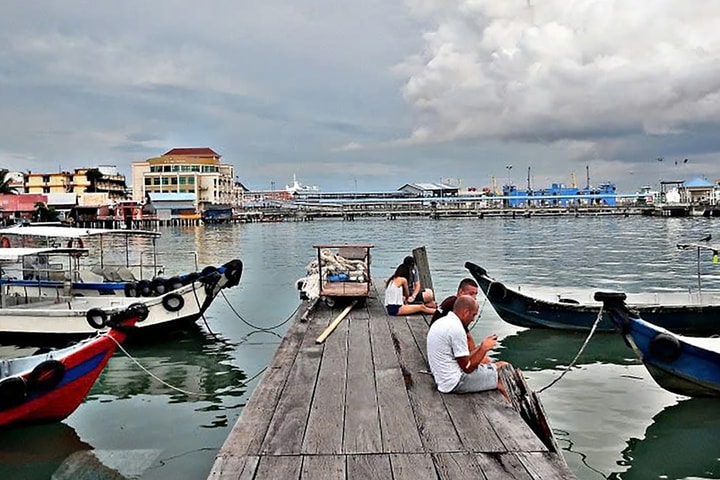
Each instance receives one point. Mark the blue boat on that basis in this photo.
(680, 364)
(576, 309)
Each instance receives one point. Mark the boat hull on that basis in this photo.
(68, 316)
(680, 364)
(527, 311)
(81, 366)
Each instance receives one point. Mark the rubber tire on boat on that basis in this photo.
(173, 302)
(131, 290)
(190, 278)
(159, 286)
(13, 392)
(139, 309)
(233, 272)
(665, 347)
(45, 376)
(144, 289)
(497, 292)
(96, 318)
(208, 270)
(174, 283)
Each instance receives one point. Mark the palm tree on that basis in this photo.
(44, 214)
(5, 187)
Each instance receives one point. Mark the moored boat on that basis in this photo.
(576, 309)
(680, 364)
(49, 386)
(57, 318)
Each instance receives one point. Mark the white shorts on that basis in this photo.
(485, 377)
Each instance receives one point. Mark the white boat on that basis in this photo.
(120, 262)
(26, 315)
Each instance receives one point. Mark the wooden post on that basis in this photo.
(423, 268)
(335, 323)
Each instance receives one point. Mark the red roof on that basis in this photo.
(195, 152)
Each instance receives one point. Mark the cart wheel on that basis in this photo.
(360, 301)
(329, 301)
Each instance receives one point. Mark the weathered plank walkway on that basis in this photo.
(361, 405)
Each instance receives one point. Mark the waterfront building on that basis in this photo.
(103, 178)
(195, 171)
(560, 195)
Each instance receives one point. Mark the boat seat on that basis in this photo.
(125, 274)
(88, 276)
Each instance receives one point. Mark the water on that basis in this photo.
(610, 418)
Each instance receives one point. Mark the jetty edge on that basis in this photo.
(362, 405)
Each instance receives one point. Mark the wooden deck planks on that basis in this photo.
(362, 405)
(324, 433)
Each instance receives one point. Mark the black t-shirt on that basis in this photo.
(445, 307)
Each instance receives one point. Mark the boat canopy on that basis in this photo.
(72, 232)
(16, 254)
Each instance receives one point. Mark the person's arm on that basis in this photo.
(478, 355)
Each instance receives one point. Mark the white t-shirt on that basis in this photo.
(393, 294)
(446, 341)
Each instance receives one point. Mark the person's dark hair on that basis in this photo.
(465, 282)
(409, 261)
(401, 271)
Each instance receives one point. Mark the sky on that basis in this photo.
(368, 95)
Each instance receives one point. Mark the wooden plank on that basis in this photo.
(397, 422)
(287, 426)
(423, 267)
(474, 429)
(436, 429)
(325, 467)
(362, 423)
(502, 466)
(368, 466)
(457, 466)
(412, 466)
(545, 466)
(324, 432)
(232, 467)
(285, 467)
(511, 429)
(249, 430)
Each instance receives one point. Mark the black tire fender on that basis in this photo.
(497, 292)
(13, 392)
(45, 376)
(144, 289)
(173, 283)
(665, 347)
(173, 302)
(208, 270)
(131, 289)
(139, 309)
(159, 286)
(96, 318)
(233, 272)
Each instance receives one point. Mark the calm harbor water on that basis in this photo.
(610, 418)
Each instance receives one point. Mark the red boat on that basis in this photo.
(48, 387)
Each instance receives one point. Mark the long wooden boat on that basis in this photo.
(680, 364)
(576, 309)
(56, 318)
(50, 386)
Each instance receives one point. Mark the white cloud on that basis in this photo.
(554, 69)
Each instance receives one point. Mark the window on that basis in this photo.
(148, 181)
(156, 181)
(46, 189)
(46, 179)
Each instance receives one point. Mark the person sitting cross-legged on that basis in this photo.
(396, 294)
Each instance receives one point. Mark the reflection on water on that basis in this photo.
(681, 442)
(191, 361)
(35, 452)
(540, 349)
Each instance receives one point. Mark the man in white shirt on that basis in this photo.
(455, 368)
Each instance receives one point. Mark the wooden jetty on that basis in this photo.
(362, 405)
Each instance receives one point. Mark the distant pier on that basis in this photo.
(362, 405)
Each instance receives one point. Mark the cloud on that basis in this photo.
(555, 70)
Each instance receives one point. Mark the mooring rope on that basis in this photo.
(582, 348)
(173, 387)
(256, 327)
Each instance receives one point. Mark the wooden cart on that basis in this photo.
(347, 285)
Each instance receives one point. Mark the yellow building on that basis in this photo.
(103, 178)
(185, 170)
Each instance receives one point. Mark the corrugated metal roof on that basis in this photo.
(195, 152)
(698, 182)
